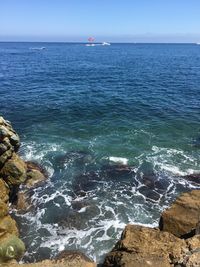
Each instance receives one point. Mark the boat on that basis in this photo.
(105, 43)
(198, 43)
(91, 41)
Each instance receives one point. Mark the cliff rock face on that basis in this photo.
(11, 247)
(183, 217)
(13, 172)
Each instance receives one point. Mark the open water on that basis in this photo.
(118, 129)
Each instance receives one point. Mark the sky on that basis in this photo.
(106, 20)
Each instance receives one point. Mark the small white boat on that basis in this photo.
(105, 43)
(198, 43)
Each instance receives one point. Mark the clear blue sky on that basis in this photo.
(110, 20)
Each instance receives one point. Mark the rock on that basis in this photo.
(23, 203)
(117, 171)
(8, 225)
(149, 193)
(11, 247)
(125, 260)
(5, 156)
(193, 260)
(64, 259)
(79, 220)
(195, 178)
(36, 174)
(34, 178)
(7, 132)
(143, 246)
(182, 218)
(76, 258)
(4, 191)
(3, 209)
(85, 182)
(14, 171)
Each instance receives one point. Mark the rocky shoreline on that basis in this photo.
(175, 243)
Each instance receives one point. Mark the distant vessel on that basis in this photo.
(105, 43)
(91, 41)
(37, 48)
(198, 43)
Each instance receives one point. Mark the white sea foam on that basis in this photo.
(120, 160)
(175, 161)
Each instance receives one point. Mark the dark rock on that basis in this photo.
(149, 193)
(195, 178)
(85, 182)
(79, 220)
(117, 171)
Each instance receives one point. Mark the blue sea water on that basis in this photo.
(82, 111)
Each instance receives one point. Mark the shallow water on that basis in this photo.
(77, 109)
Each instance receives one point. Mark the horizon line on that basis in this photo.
(79, 42)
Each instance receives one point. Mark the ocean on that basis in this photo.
(117, 128)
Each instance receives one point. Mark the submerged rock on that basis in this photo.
(85, 182)
(195, 178)
(149, 193)
(117, 171)
(182, 218)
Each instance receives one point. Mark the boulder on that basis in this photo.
(182, 218)
(11, 247)
(23, 203)
(14, 171)
(143, 246)
(35, 174)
